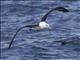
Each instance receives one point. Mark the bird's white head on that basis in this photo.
(43, 25)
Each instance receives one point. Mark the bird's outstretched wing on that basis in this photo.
(30, 26)
(62, 9)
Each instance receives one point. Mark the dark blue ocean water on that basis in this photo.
(40, 45)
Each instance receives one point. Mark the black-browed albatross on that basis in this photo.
(41, 25)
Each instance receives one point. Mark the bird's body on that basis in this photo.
(41, 25)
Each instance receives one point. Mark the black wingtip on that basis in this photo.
(61, 9)
(9, 47)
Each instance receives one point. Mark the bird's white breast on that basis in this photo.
(42, 24)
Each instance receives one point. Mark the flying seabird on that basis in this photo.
(41, 25)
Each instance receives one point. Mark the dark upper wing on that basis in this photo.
(61, 9)
(30, 26)
(57, 8)
(45, 16)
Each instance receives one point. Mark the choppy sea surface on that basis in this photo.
(43, 44)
